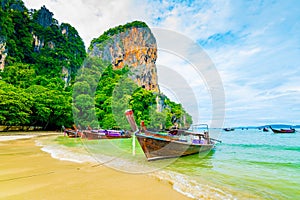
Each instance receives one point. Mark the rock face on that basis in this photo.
(44, 17)
(133, 46)
(45, 20)
(3, 54)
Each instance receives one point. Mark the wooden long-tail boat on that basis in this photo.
(170, 144)
(72, 133)
(265, 129)
(228, 129)
(105, 134)
(291, 130)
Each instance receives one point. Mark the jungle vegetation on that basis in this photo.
(44, 84)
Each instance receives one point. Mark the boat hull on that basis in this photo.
(160, 148)
(228, 129)
(283, 130)
(265, 130)
(72, 133)
(99, 135)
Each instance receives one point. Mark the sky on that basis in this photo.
(254, 46)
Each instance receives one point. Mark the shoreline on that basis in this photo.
(30, 173)
(14, 137)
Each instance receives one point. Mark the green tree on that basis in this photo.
(15, 28)
(51, 108)
(15, 105)
(141, 101)
(32, 90)
(19, 74)
(120, 101)
(40, 108)
(60, 104)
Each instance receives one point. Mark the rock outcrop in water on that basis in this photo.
(134, 45)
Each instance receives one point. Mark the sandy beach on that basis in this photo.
(26, 172)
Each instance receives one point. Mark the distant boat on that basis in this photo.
(228, 129)
(170, 144)
(105, 134)
(95, 134)
(291, 130)
(265, 129)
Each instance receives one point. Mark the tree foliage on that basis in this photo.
(115, 93)
(38, 85)
(15, 31)
(35, 37)
(15, 105)
(32, 88)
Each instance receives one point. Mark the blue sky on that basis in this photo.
(254, 45)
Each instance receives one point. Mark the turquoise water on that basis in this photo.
(248, 164)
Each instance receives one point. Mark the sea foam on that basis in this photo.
(63, 153)
(180, 182)
(191, 188)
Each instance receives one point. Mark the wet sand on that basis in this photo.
(26, 172)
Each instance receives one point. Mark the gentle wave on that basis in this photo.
(180, 182)
(265, 146)
(191, 188)
(63, 153)
(83, 154)
(274, 164)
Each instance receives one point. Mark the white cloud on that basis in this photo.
(92, 17)
(250, 52)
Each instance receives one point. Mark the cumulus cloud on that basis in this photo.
(92, 17)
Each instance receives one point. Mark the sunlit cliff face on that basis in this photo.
(2, 55)
(135, 47)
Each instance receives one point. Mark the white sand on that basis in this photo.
(15, 137)
(29, 173)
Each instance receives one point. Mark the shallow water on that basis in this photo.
(248, 164)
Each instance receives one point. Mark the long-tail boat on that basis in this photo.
(291, 130)
(72, 133)
(265, 129)
(228, 129)
(170, 144)
(105, 134)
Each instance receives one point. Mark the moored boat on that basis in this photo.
(265, 129)
(170, 144)
(72, 133)
(105, 134)
(228, 129)
(160, 147)
(291, 130)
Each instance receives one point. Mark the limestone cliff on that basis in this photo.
(44, 19)
(134, 45)
(3, 54)
(49, 36)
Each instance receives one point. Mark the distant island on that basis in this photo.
(267, 126)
